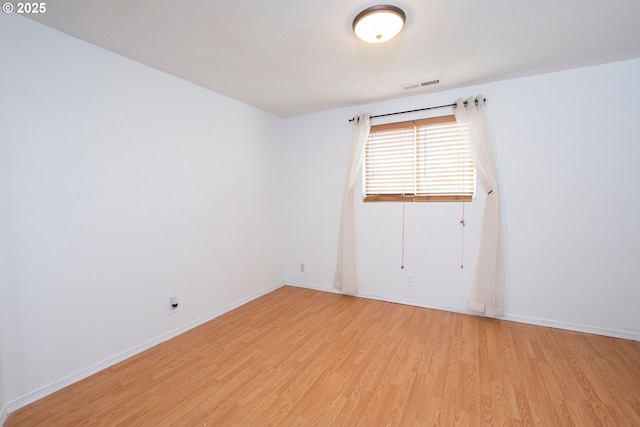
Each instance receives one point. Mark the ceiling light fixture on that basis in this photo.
(378, 24)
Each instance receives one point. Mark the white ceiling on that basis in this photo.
(293, 57)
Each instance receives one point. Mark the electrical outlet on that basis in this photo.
(411, 280)
(302, 267)
(173, 305)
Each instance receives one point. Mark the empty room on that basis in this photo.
(340, 213)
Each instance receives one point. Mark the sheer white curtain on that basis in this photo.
(345, 278)
(487, 294)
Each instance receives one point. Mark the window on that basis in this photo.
(422, 160)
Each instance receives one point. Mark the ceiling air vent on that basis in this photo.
(419, 85)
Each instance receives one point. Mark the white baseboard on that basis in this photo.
(634, 336)
(64, 382)
(4, 414)
(587, 329)
(385, 298)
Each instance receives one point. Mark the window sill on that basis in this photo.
(405, 198)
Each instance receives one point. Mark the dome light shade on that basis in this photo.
(378, 24)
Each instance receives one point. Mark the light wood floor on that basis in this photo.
(301, 357)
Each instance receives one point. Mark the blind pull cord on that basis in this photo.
(402, 262)
(462, 224)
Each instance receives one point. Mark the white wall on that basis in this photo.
(125, 186)
(567, 148)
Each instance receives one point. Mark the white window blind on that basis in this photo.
(420, 160)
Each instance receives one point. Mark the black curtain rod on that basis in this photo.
(413, 111)
(408, 111)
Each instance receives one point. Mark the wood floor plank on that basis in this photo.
(297, 357)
